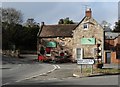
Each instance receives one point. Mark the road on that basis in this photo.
(101, 80)
(21, 72)
(15, 70)
(63, 76)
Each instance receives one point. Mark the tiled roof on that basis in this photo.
(59, 30)
(111, 35)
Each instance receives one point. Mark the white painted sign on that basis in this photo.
(85, 61)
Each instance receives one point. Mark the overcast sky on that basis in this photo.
(51, 12)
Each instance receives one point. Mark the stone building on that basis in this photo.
(56, 39)
(78, 41)
(88, 37)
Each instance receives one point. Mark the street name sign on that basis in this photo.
(85, 61)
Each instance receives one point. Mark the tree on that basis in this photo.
(65, 21)
(106, 25)
(11, 15)
(12, 35)
(31, 29)
(117, 26)
(0, 18)
(30, 37)
(16, 35)
(11, 27)
(30, 22)
(23, 38)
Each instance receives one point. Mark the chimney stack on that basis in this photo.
(42, 23)
(88, 12)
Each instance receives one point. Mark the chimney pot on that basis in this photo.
(88, 12)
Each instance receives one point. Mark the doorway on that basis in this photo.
(79, 53)
(108, 57)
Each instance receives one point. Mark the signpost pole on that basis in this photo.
(85, 62)
(81, 69)
(92, 69)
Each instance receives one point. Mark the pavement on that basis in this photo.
(116, 66)
(24, 59)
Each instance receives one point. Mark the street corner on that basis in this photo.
(78, 74)
(86, 72)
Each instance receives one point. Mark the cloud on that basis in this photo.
(51, 12)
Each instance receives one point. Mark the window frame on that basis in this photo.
(85, 26)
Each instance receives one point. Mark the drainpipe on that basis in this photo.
(103, 46)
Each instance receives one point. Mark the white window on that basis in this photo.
(85, 26)
(79, 52)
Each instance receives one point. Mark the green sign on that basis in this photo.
(51, 44)
(88, 41)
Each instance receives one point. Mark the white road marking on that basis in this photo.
(55, 67)
(58, 66)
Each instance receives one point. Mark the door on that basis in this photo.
(108, 57)
(79, 53)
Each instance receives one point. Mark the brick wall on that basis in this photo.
(114, 58)
(109, 44)
(113, 45)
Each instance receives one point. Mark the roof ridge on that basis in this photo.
(59, 24)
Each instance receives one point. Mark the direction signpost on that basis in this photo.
(86, 62)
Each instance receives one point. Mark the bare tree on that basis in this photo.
(106, 25)
(65, 21)
(0, 18)
(11, 15)
(30, 22)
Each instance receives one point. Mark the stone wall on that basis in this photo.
(63, 44)
(11, 53)
(94, 31)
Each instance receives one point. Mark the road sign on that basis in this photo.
(85, 61)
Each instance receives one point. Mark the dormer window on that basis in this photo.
(85, 26)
